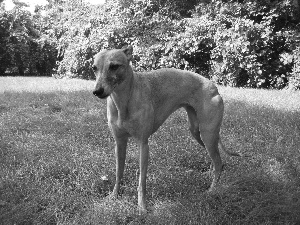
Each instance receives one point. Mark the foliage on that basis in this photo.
(158, 40)
(25, 49)
(81, 33)
(247, 53)
(238, 43)
(5, 60)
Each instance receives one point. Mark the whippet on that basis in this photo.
(138, 104)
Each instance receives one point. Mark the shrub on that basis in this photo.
(164, 42)
(236, 44)
(24, 50)
(5, 58)
(191, 48)
(248, 53)
(89, 31)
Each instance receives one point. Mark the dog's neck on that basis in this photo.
(122, 94)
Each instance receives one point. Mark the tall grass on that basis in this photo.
(55, 147)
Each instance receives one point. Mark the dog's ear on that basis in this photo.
(128, 52)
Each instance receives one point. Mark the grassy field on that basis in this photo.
(55, 149)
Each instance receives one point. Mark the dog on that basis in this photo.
(139, 103)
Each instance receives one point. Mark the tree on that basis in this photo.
(24, 49)
(5, 59)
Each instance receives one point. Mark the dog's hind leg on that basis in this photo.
(210, 118)
(210, 140)
(194, 128)
(194, 124)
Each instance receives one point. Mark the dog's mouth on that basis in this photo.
(103, 96)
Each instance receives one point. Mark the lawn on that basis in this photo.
(56, 150)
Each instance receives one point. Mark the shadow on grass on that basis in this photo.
(250, 200)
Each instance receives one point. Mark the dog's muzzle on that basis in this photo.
(100, 93)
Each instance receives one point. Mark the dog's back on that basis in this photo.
(173, 82)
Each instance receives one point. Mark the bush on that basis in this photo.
(87, 33)
(24, 50)
(236, 44)
(5, 59)
(248, 53)
(191, 48)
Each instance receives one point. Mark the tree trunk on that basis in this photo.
(21, 70)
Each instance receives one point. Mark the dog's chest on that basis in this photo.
(137, 122)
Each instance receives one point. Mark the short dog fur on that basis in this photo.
(139, 103)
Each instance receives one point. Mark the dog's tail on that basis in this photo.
(222, 147)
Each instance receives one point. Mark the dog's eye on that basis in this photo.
(114, 66)
(94, 68)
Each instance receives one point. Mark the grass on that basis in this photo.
(55, 149)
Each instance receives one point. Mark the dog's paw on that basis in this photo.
(212, 190)
(113, 196)
(142, 210)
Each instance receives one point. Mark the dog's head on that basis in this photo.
(110, 68)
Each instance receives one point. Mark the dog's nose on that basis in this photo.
(98, 92)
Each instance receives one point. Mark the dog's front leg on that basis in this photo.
(120, 152)
(144, 156)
